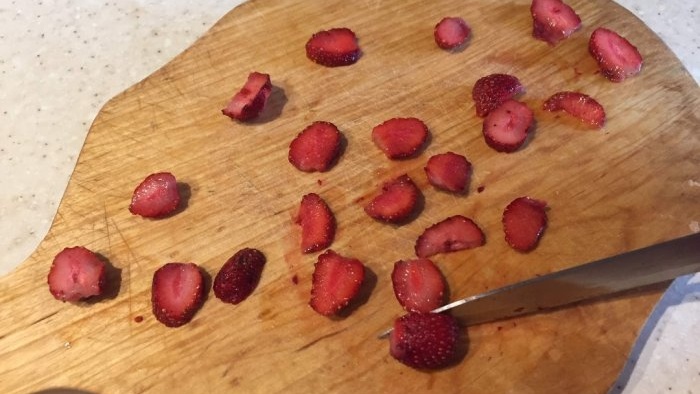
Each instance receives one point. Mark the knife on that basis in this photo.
(612, 275)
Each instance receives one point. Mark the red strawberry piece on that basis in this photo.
(425, 340)
(177, 292)
(400, 138)
(524, 221)
(449, 171)
(76, 273)
(584, 107)
(506, 128)
(251, 99)
(451, 32)
(316, 148)
(491, 91)
(450, 235)
(553, 20)
(333, 48)
(418, 285)
(239, 276)
(398, 199)
(317, 223)
(335, 282)
(156, 196)
(617, 58)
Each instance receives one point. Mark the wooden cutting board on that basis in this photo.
(627, 186)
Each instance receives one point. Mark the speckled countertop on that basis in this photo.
(61, 60)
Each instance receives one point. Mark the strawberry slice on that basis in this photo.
(251, 99)
(333, 48)
(157, 196)
(317, 223)
(553, 20)
(450, 235)
(335, 282)
(451, 32)
(491, 91)
(418, 285)
(316, 148)
(524, 221)
(397, 200)
(617, 58)
(582, 106)
(76, 273)
(449, 171)
(400, 138)
(239, 276)
(506, 128)
(425, 340)
(177, 292)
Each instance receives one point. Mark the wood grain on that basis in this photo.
(609, 191)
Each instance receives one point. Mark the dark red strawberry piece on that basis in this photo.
(451, 32)
(450, 235)
(398, 199)
(524, 221)
(553, 20)
(335, 282)
(333, 48)
(239, 276)
(316, 148)
(156, 196)
(491, 91)
(317, 223)
(584, 107)
(425, 340)
(449, 171)
(506, 128)
(418, 285)
(617, 58)
(251, 99)
(76, 273)
(400, 138)
(177, 292)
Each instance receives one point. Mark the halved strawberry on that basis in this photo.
(335, 282)
(582, 106)
(317, 223)
(76, 273)
(425, 340)
(418, 285)
(156, 196)
(400, 138)
(251, 99)
(553, 20)
(398, 199)
(334, 47)
(450, 235)
(316, 148)
(524, 221)
(239, 276)
(451, 32)
(491, 91)
(177, 292)
(506, 128)
(617, 58)
(449, 171)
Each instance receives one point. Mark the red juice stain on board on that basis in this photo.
(480, 189)
(295, 279)
(138, 319)
(320, 182)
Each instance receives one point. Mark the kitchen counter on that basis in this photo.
(60, 61)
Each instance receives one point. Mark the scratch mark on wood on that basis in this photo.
(315, 341)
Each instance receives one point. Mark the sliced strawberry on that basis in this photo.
(451, 32)
(333, 48)
(491, 91)
(316, 148)
(450, 235)
(524, 221)
(584, 107)
(449, 171)
(617, 58)
(396, 202)
(156, 196)
(251, 99)
(317, 223)
(418, 285)
(177, 292)
(239, 276)
(506, 128)
(400, 138)
(76, 273)
(335, 282)
(553, 20)
(425, 340)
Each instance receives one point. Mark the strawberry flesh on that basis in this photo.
(451, 32)
(524, 221)
(418, 285)
(553, 20)
(157, 196)
(506, 128)
(397, 200)
(177, 292)
(450, 235)
(333, 48)
(449, 171)
(617, 58)
(317, 223)
(491, 91)
(400, 138)
(239, 276)
(335, 282)
(251, 99)
(579, 105)
(76, 273)
(425, 340)
(316, 148)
